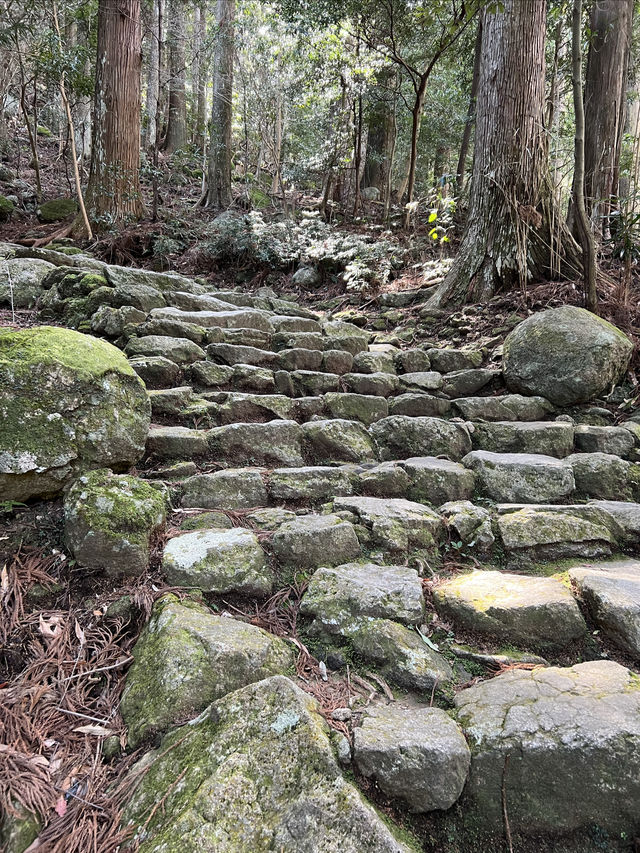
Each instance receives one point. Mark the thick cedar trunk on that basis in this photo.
(176, 137)
(511, 224)
(153, 77)
(113, 194)
(200, 71)
(218, 194)
(587, 240)
(605, 99)
(466, 134)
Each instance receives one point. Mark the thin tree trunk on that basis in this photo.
(508, 234)
(200, 74)
(113, 194)
(276, 183)
(466, 134)
(153, 77)
(176, 137)
(586, 236)
(605, 101)
(218, 193)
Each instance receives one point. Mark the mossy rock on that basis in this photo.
(6, 208)
(68, 403)
(257, 772)
(57, 209)
(109, 521)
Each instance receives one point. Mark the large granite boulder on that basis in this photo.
(185, 658)
(256, 773)
(21, 280)
(567, 355)
(68, 403)
(559, 749)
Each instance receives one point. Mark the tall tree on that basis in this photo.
(605, 100)
(218, 191)
(153, 75)
(176, 137)
(113, 194)
(512, 228)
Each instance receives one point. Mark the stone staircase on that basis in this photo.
(444, 529)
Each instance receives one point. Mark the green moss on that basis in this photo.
(26, 350)
(57, 209)
(6, 208)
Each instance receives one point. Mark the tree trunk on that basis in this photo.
(200, 75)
(466, 134)
(113, 194)
(218, 194)
(153, 78)
(605, 101)
(511, 222)
(176, 137)
(587, 240)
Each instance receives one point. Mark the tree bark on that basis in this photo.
(605, 105)
(218, 192)
(153, 77)
(200, 71)
(511, 224)
(587, 240)
(113, 194)
(176, 137)
(466, 134)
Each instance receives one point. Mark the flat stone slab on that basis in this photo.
(535, 612)
(265, 779)
(615, 440)
(313, 483)
(510, 407)
(185, 658)
(176, 442)
(602, 475)
(521, 477)
(315, 540)
(626, 516)
(395, 523)
(567, 733)
(178, 350)
(218, 561)
(338, 441)
(550, 438)
(223, 319)
(611, 591)
(233, 488)
(403, 437)
(335, 596)
(530, 535)
(272, 443)
(417, 755)
(438, 480)
(428, 380)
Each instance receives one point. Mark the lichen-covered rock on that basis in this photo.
(437, 481)
(418, 755)
(18, 830)
(68, 403)
(372, 384)
(179, 350)
(357, 407)
(450, 360)
(112, 322)
(308, 278)
(185, 658)
(521, 477)
(525, 611)
(428, 380)
(532, 534)
(57, 209)
(569, 734)
(616, 441)
(567, 355)
(309, 484)
(6, 208)
(273, 443)
(611, 591)
(601, 475)
(626, 516)
(156, 371)
(401, 437)
(109, 520)
(419, 406)
(549, 438)
(315, 540)
(176, 442)
(218, 561)
(510, 407)
(373, 362)
(395, 523)
(21, 281)
(233, 488)
(464, 383)
(162, 281)
(337, 596)
(338, 441)
(387, 480)
(258, 773)
(469, 523)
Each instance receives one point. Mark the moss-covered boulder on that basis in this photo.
(567, 355)
(186, 658)
(21, 281)
(68, 403)
(57, 209)
(109, 521)
(257, 772)
(6, 208)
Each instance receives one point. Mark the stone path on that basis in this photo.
(298, 449)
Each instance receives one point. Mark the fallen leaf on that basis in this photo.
(99, 731)
(50, 627)
(80, 634)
